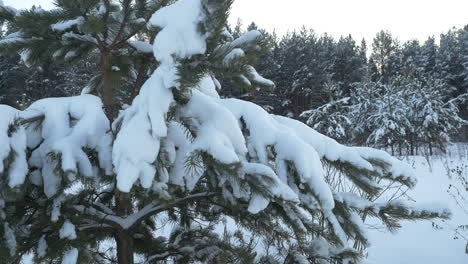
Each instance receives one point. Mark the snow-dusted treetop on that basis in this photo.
(232, 149)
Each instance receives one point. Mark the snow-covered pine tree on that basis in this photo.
(115, 30)
(77, 187)
(331, 119)
(434, 117)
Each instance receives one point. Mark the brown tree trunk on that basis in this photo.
(124, 237)
(107, 92)
(124, 241)
(123, 201)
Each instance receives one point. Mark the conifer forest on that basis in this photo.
(158, 132)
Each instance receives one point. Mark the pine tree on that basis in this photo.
(411, 60)
(348, 66)
(81, 186)
(298, 76)
(12, 83)
(115, 30)
(436, 117)
(331, 119)
(384, 48)
(428, 56)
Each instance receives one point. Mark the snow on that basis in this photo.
(87, 38)
(70, 257)
(421, 242)
(247, 38)
(16, 37)
(64, 25)
(218, 131)
(279, 189)
(143, 123)
(356, 156)
(141, 46)
(353, 200)
(235, 53)
(18, 169)
(25, 54)
(10, 239)
(56, 206)
(69, 125)
(70, 55)
(137, 144)
(257, 204)
(253, 74)
(179, 35)
(42, 247)
(67, 231)
(208, 86)
(264, 131)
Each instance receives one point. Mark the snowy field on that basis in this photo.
(421, 242)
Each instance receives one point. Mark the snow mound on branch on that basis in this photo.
(16, 143)
(141, 46)
(42, 247)
(69, 126)
(265, 131)
(67, 231)
(143, 125)
(359, 157)
(179, 35)
(64, 25)
(248, 37)
(137, 144)
(9, 238)
(70, 257)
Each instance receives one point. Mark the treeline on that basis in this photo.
(402, 96)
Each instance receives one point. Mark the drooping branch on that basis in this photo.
(95, 212)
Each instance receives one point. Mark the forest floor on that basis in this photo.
(430, 242)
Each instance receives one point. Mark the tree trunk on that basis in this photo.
(107, 92)
(124, 238)
(124, 241)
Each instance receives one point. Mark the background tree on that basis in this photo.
(384, 48)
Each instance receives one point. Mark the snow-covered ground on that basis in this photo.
(421, 242)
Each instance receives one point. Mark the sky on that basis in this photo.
(405, 19)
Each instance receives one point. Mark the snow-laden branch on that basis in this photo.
(58, 130)
(130, 221)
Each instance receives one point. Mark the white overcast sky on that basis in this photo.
(406, 19)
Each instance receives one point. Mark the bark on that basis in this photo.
(107, 92)
(125, 247)
(124, 237)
